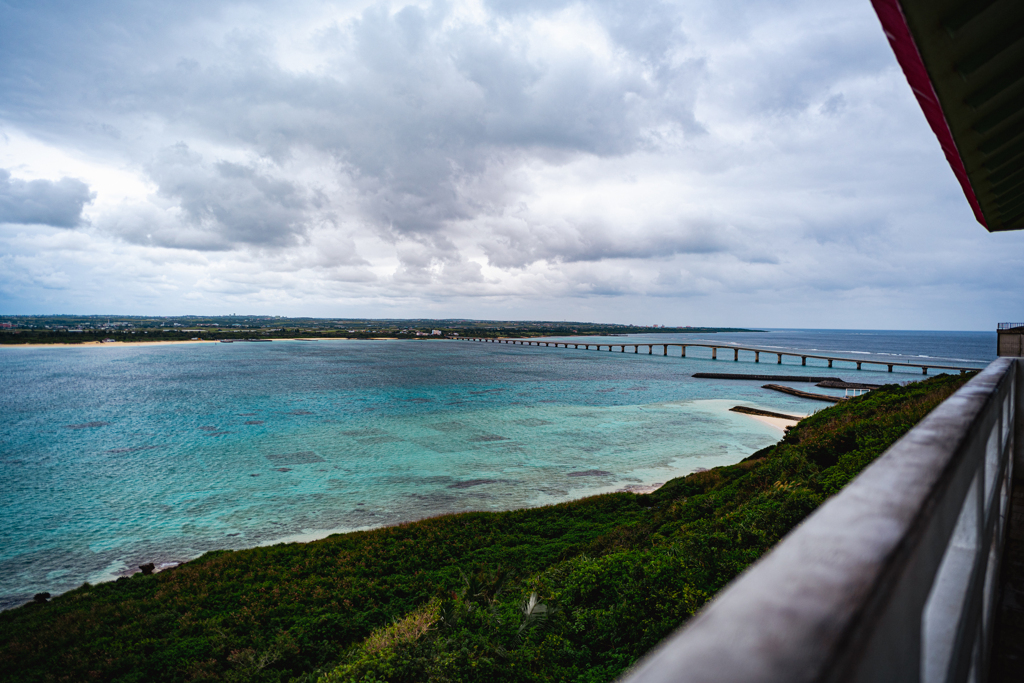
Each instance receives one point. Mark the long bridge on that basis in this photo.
(650, 346)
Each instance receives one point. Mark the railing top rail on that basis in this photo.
(1010, 326)
(805, 611)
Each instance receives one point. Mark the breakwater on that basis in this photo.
(764, 378)
(764, 413)
(803, 394)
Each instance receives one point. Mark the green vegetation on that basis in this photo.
(70, 329)
(570, 592)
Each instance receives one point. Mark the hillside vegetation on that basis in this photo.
(570, 592)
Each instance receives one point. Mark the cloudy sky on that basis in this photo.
(757, 162)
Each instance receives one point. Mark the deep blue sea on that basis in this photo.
(112, 456)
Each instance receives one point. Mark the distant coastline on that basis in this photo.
(169, 342)
(71, 330)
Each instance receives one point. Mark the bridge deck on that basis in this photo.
(636, 346)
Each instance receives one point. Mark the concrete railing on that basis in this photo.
(893, 579)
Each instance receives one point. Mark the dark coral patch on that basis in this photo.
(473, 482)
(87, 425)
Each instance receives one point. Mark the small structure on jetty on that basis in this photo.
(1010, 340)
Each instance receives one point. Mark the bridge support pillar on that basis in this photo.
(664, 350)
(650, 349)
(780, 358)
(830, 362)
(924, 371)
(636, 348)
(735, 354)
(684, 352)
(757, 356)
(622, 349)
(714, 353)
(803, 360)
(858, 365)
(890, 369)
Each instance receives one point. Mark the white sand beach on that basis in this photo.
(110, 345)
(121, 344)
(777, 422)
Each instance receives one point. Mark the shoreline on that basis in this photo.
(165, 563)
(168, 342)
(113, 345)
(170, 562)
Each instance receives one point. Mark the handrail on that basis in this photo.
(893, 579)
(1009, 326)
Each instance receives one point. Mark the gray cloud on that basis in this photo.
(510, 152)
(221, 205)
(43, 202)
(409, 103)
(517, 244)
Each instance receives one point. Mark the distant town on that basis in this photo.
(71, 329)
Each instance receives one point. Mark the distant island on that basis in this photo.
(77, 329)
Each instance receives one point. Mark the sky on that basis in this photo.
(756, 163)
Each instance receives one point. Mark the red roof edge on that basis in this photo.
(894, 23)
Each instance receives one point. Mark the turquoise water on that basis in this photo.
(111, 457)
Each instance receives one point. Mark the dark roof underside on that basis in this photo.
(964, 60)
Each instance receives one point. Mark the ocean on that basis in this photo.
(111, 457)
